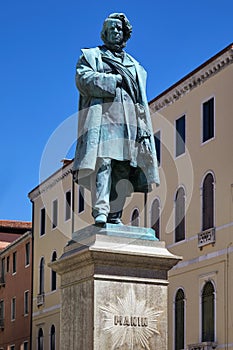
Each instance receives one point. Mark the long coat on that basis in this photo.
(95, 86)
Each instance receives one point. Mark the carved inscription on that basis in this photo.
(132, 321)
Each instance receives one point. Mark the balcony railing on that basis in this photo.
(40, 299)
(1, 323)
(206, 237)
(203, 346)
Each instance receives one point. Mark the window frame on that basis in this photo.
(214, 310)
(27, 254)
(41, 285)
(174, 317)
(42, 222)
(159, 218)
(26, 303)
(14, 262)
(202, 119)
(53, 273)
(176, 138)
(159, 154)
(138, 217)
(55, 219)
(81, 194)
(175, 215)
(13, 309)
(68, 206)
(202, 199)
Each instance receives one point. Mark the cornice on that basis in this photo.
(193, 80)
(51, 181)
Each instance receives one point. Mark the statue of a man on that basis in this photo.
(115, 152)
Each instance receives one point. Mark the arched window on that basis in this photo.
(208, 312)
(52, 338)
(208, 202)
(155, 217)
(179, 320)
(180, 215)
(40, 339)
(135, 218)
(41, 280)
(53, 274)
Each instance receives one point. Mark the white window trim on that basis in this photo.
(54, 228)
(67, 220)
(26, 291)
(184, 153)
(159, 131)
(139, 219)
(203, 101)
(201, 197)
(13, 319)
(203, 279)
(40, 235)
(160, 210)
(174, 216)
(173, 312)
(27, 265)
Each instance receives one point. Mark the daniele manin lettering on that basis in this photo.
(130, 321)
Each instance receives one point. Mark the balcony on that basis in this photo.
(206, 237)
(203, 346)
(40, 299)
(1, 323)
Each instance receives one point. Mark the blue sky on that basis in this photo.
(40, 45)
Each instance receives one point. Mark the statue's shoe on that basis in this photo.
(100, 219)
(116, 221)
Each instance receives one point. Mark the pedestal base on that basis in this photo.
(114, 290)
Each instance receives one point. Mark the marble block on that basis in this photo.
(114, 289)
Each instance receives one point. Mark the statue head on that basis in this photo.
(116, 31)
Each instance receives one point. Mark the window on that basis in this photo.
(180, 215)
(41, 276)
(81, 199)
(55, 213)
(53, 274)
(68, 205)
(208, 312)
(155, 217)
(2, 276)
(12, 347)
(14, 262)
(40, 339)
(42, 221)
(1, 311)
(208, 202)
(157, 138)
(27, 254)
(13, 309)
(180, 136)
(52, 338)
(26, 302)
(208, 120)
(8, 264)
(179, 320)
(25, 345)
(135, 218)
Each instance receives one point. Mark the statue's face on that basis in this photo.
(114, 31)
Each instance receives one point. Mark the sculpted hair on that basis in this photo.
(127, 28)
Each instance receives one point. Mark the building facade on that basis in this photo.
(194, 122)
(16, 287)
(191, 211)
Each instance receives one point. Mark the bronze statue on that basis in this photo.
(115, 153)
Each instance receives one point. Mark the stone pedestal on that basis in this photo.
(114, 289)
